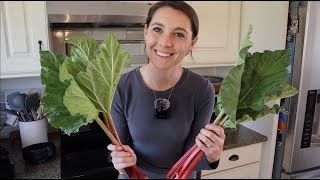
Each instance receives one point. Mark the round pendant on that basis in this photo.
(161, 104)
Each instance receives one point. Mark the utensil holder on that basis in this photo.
(33, 132)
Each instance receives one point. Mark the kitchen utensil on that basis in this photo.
(19, 101)
(31, 91)
(40, 113)
(19, 113)
(12, 105)
(32, 103)
(10, 97)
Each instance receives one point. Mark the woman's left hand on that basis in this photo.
(211, 140)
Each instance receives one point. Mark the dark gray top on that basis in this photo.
(160, 143)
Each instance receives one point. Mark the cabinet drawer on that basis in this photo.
(237, 157)
(250, 171)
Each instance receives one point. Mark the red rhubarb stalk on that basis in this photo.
(189, 159)
(133, 171)
(191, 166)
(187, 162)
(175, 169)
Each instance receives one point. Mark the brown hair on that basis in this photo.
(178, 5)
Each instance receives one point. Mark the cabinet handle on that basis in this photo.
(40, 43)
(234, 157)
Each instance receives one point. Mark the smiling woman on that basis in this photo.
(160, 96)
(169, 35)
(168, 42)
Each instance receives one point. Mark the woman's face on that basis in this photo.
(168, 38)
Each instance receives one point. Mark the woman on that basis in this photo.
(161, 109)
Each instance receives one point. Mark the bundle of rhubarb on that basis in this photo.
(80, 86)
(255, 80)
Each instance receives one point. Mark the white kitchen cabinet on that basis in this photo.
(219, 32)
(240, 163)
(250, 171)
(23, 25)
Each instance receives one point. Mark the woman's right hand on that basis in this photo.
(122, 157)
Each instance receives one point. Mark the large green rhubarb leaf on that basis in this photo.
(285, 91)
(255, 80)
(249, 114)
(76, 99)
(84, 50)
(99, 81)
(231, 84)
(263, 72)
(52, 98)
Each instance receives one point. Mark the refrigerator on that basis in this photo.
(297, 152)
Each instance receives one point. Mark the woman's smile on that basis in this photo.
(163, 54)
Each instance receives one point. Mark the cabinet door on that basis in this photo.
(250, 171)
(23, 25)
(237, 157)
(219, 30)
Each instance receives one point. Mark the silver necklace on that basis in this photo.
(162, 105)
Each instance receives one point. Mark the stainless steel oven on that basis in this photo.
(68, 19)
(84, 154)
(130, 38)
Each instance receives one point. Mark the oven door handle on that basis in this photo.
(131, 41)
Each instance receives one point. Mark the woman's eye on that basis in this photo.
(180, 35)
(156, 29)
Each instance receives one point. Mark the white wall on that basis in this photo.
(269, 20)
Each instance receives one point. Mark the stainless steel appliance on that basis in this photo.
(298, 144)
(84, 154)
(96, 19)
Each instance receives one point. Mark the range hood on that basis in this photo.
(98, 13)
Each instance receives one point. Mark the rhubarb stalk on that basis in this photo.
(109, 128)
(185, 165)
